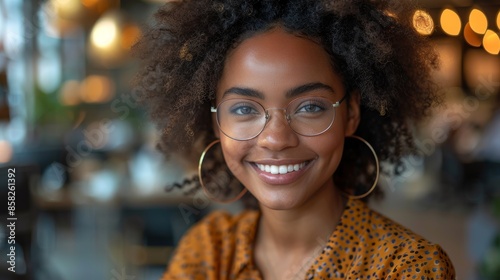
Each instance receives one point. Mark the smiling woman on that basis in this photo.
(293, 77)
(281, 85)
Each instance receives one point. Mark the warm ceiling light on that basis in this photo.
(90, 3)
(498, 20)
(450, 22)
(96, 89)
(472, 37)
(104, 33)
(69, 94)
(423, 23)
(111, 39)
(491, 42)
(67, 9)
(478, 21)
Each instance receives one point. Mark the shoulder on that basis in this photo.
(392, 249)
(217, 227)
(205, 250)
(220, 224)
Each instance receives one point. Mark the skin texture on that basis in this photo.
(294, 212)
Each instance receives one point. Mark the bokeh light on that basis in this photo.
(96, 89)
(69, 94)
(104, 33)
(498, 19)
(472, 37)
(478, 21)
(423, 23)
(67, 9)
(111, 39)
(450, 22)
(491, 42)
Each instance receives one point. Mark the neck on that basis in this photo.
(303, 229)
(288, 241)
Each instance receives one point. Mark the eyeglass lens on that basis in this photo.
(244, 119)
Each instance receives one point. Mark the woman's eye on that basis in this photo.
(310, 108)
(244, 110)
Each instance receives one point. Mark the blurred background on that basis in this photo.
(90, 197)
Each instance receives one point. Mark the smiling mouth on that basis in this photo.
(281, 169)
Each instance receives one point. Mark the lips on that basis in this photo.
(281, 173)
(281, 169)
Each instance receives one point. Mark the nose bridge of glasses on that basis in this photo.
(284, 110)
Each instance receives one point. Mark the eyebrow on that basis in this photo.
(308, 87)
(244, 92)
(248, 92)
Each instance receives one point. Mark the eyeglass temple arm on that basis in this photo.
(337, 104)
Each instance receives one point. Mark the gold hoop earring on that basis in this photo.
(377, 166)
(220, 177)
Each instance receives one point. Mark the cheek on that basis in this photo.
(234, 153)
(330, 148)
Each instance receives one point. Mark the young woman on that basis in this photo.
(284, 88)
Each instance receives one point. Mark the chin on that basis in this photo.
(279, 203)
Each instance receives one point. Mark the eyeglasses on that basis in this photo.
(244, 119)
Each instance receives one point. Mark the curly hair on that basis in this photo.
(372, 44)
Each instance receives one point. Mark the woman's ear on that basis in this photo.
(353, 113)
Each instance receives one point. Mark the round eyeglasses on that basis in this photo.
(244, 119)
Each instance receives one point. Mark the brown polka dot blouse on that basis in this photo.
(364, 245)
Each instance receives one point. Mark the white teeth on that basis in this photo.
(281, 169)
(274, 169)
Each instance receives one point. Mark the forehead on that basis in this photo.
(278, 60)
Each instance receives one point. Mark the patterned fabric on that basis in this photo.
(364, 245)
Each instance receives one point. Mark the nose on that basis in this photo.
(277, 134)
